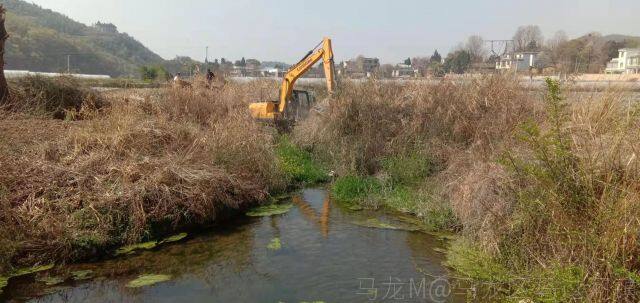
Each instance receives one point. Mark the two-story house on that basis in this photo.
(628, 62)
(520, 61)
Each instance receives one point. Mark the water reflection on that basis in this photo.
(235, 264)
(322, 219)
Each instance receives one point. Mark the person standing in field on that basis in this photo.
(210, 76)
(176, 78)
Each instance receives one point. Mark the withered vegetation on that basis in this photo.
(142, 163)
(542, 183)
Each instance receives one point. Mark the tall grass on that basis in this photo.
(419, 130)
(577, 195)
(60, 97)
(149, 163)
(545, 188)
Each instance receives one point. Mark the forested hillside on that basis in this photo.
(43, 40)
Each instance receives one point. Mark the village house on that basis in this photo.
(628, 62)
(361, 67)
(404, 71)
(107, 28)
(520, 61)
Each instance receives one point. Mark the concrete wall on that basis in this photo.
(608, 77)
(24, 73)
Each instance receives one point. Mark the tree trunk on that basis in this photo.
(4, 89)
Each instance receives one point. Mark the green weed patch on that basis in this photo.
(355, 188)
(299, 164)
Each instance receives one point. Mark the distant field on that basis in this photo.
(119, 83)
(536, 83)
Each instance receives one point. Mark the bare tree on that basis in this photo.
(593, 54)
(475, 48)
(553, 52)
(527, 37)
(421, 64)
(4, 89)
(386, 70)
(558, 39)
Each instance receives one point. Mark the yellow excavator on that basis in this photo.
(295, 104)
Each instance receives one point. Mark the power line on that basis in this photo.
(502, 45)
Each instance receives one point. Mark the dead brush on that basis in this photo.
(59, 97)
(357, 126)
(462, 127)
(145, 166)
(576, 187)
(365, 122)
(565, 195)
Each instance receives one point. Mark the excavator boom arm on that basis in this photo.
(326, 54)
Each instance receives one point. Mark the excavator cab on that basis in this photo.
(299, 105)
(294, 104)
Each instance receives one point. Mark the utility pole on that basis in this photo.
(4, 89)
(68, 63)
(206, 56)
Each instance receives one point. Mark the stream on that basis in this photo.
(319, 251)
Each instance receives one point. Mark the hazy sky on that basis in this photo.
(391, 30)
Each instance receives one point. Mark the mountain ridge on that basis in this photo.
(47, 41)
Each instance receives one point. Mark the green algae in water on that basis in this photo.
(50, 280)
(82, 275)
(352, 206)
(281, 197)
(270, 210)
(275, 244)
(147, 280)
(174, 238)
(128, 249)
(414, 221)
(30, 270)
(375, 223)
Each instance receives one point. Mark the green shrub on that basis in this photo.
(152, 73)
(298, 164)
(574, 212)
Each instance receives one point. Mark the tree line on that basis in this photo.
(587, 54)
